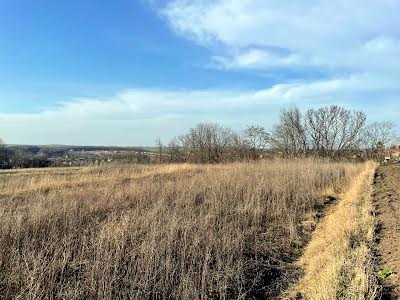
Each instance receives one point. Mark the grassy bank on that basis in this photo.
(338, 260)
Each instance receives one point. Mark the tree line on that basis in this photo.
(331, 131)
(17, 158)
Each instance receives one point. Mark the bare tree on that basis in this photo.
(238, 148)
(159, 146)
(376, 137)
(205, 143)
(175, 151)
(327, 131)
(289, 134)
(256, 139)
(333, 129)
(376, 132)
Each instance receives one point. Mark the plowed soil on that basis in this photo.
(387, 200)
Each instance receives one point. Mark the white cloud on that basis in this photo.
(331, 34)
(383, 44)
(138, 116)
(260, 59)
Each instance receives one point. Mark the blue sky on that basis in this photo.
(125, 72)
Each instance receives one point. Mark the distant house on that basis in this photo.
(395, 152)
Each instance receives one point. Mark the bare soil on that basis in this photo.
(387, 201)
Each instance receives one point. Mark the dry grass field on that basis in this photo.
(228, 231)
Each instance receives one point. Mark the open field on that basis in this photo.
(229, 231)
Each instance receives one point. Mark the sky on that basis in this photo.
(126, 72)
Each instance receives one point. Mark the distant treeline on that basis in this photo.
(26, 156)
(331, 131)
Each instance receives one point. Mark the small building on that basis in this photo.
(395, 152)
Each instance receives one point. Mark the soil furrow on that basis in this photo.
(387, 201)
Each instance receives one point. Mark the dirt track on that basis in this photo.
(387, 200)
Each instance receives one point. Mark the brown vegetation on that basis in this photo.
(159, 232)
(338, 262)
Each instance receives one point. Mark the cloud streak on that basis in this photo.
(138, 116)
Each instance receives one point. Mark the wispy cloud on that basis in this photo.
(138, 116)
(261, 59)
(330, 34)
(383, 45)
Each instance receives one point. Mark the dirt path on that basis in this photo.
(387, 200)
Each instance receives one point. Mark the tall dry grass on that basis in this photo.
(159, 232)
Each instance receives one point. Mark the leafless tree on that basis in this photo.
(376, 132)
(327, 131)
(289, 134)
(334, 129)
(175, 151)
(159, 146)
(256, 139)
(205, 143)
(238, 148)
(377, 136)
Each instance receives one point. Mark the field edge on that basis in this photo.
(338, 263)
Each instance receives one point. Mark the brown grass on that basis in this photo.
(338, 262)
(159, 232)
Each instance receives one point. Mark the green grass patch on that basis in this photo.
(385, 273)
